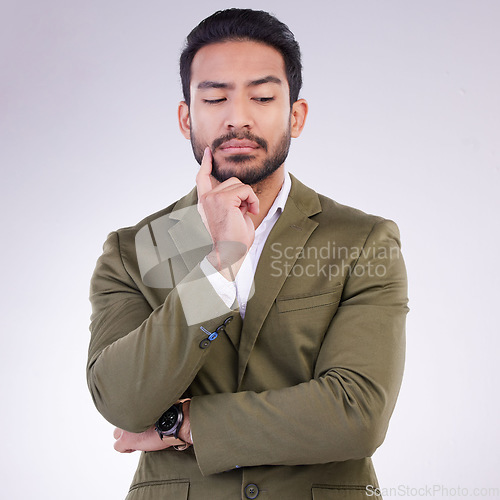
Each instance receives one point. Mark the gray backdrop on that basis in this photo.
(404, 122)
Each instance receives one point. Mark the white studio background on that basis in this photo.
(404, 122)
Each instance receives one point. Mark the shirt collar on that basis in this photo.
(278, 205)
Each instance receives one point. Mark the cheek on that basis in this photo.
(280, 119)
(197, 132)
(277, 126)
(203, 125)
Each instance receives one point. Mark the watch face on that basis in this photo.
(168, 419)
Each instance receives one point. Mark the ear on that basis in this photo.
(184, 119)
(298, 117)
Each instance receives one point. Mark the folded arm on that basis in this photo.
(141, 360)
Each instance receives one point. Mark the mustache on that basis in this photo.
(239, 135)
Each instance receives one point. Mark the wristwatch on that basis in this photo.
(169, 424)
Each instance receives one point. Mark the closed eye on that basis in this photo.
(264, 99)
(214, 101)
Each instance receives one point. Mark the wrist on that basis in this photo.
(185, 430)
(227, 258)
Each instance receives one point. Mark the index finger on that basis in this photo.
(203, 182)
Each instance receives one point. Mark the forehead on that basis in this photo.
(236, 61)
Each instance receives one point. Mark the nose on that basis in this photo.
(239, 114)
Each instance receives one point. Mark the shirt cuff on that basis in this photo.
(224, 288)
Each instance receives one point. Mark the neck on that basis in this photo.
(266, 191)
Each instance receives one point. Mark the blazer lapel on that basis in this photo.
(291, 231)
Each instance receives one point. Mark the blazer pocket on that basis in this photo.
(338, 492)
(298, 303)
(166, 490)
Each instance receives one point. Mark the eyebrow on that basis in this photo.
(210, 84)
(267, 79)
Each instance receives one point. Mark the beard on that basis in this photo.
(243, 167)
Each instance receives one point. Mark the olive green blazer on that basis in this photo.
(289, 403)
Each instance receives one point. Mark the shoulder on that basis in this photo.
(337, 219)
(121, 245)
(174, 211)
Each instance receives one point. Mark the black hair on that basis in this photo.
(241, 25)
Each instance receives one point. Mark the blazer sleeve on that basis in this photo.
(343, 412)
(142, 360)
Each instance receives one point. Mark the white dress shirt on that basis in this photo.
(242, 288)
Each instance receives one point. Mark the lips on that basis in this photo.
(239, 146)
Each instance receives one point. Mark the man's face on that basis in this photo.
(240, 108)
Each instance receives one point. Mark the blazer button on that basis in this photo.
(204, 343)
(251, 491)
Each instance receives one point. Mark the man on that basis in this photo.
(250, 337)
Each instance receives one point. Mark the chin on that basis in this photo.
(240, 168)
(249, 175)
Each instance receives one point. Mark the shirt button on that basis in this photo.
(251, 491)
(204, 343)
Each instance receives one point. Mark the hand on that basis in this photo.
(225, 210)
(128, 442)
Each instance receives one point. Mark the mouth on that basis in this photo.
(238, 146)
